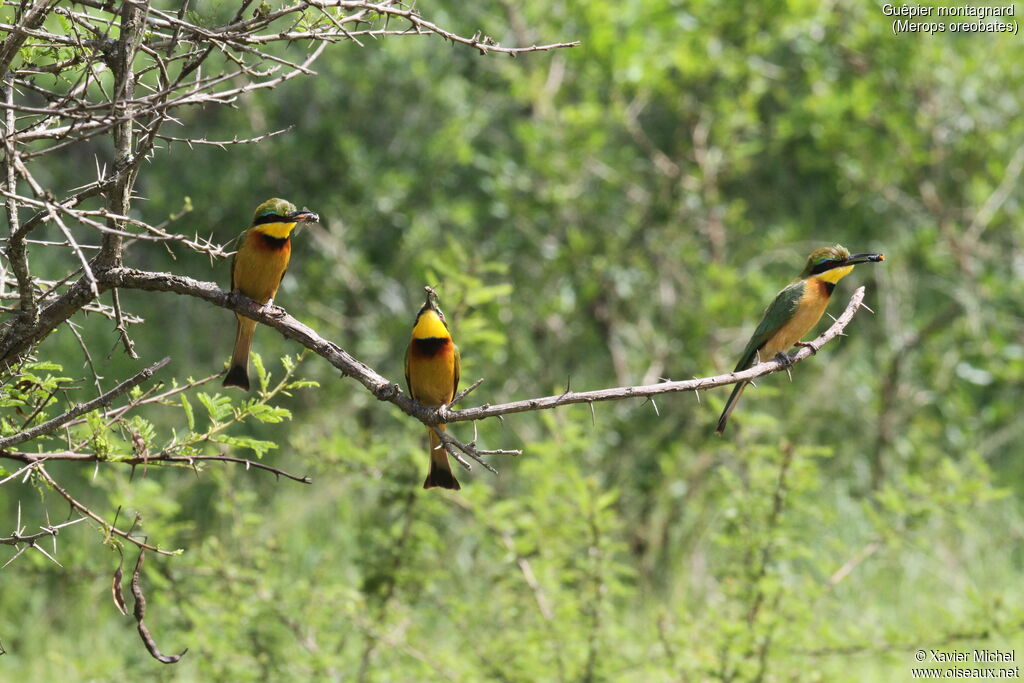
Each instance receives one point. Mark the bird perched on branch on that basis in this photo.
(795, 310)
(257, 269)
(432, 365)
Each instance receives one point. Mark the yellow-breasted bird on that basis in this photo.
(795, 310)
(257, 269)
(432, 365)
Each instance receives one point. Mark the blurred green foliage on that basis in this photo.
(605, 215)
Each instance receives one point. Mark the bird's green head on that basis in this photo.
(836, 259)
(280, 211)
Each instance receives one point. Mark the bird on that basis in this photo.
(795, 310)
(256, 271)
(432, 367)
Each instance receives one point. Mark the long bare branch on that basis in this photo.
(134, 460)
(17, 252)
(650, 390)
(386, 390)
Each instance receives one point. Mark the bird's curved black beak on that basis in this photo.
(304, 216)
(864, 258)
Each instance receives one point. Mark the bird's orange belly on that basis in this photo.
(808, 313)
(432, 378)
(258, 272)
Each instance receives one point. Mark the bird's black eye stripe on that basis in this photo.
(270, 218)
(825, 265)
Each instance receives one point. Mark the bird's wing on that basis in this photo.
(408, 384)
(458, 370)
(234, 259)
(775, 316)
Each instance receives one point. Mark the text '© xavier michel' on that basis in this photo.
(958, 19)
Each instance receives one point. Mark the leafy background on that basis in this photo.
(605, 215)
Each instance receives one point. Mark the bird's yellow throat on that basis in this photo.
(835, 274)
(429, 325)
(276, 230)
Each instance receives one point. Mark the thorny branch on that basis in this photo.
(19, 536)
(185, 460)
(29, 541)
(386, 390)
(127, 535)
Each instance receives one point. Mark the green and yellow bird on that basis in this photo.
(432, 366)
(257, 269)
(795, 310)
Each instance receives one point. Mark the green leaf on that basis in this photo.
(190, 418)
(261, 370)
(99, 434)
(218, 407)
(270, 414)
(143, 428)
(258, 446)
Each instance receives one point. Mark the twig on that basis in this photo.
(998, 197)
(465, 392)
(50, 530)
(85, 352)
(121, 327)
(222, 144)
(158, 458)
(851, 564)
(145, 399)
(16, 252)
(451, 444)
(24, 470)
(30, 19)
(93, 516)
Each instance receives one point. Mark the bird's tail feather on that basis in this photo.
(238, 373)
(440, 473)
(730, 405)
